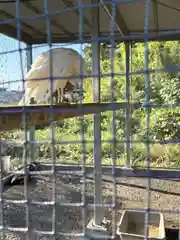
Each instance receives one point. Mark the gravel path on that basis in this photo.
(68, 189)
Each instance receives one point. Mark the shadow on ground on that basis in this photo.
(43, 217)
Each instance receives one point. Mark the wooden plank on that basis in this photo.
(11, 117)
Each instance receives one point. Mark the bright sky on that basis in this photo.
(10, 67)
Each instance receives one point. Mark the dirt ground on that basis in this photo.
(131, 193)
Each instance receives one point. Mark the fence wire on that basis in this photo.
(77, 177)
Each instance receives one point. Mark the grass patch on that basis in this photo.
(160, 155)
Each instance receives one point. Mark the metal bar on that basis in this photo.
(82, 20)
(137, 173)
(128, 110)
(29, 56)
(147, 110)
(114, 129)
(1, 191)
(104, 37)
(98, 212)
(119, 172)
(52, 130)
(24, 120)
(31, 132)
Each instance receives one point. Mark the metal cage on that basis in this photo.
(88, 213)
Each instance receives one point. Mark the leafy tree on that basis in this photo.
(164, 89)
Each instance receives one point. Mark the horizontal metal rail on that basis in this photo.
(119, 172)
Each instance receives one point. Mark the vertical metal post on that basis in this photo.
(98, 211)
(31, 132)
(29, 56)
(128, 109)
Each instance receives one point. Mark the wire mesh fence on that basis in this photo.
(93, 143)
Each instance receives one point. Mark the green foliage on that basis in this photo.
(164, 88)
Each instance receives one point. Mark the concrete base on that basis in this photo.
(96, 231)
